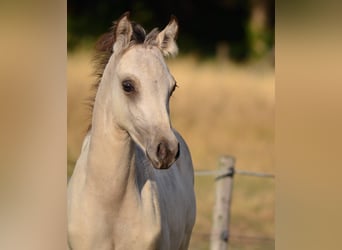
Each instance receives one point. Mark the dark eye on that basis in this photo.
(128, 86)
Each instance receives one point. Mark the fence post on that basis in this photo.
(221, 217)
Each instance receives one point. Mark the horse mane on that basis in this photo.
(104, 50)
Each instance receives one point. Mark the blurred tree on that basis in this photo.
(245, 26)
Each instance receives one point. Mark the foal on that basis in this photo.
(132, 187)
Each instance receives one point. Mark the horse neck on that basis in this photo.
(110, 160)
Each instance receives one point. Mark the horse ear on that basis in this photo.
(166, 38)
(123, 33)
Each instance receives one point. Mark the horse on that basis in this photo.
(133, 184)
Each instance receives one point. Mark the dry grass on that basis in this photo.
(219, 108)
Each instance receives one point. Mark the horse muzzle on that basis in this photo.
(164, 154)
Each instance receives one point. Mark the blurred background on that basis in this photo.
(224, 103)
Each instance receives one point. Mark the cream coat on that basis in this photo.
(118, 198)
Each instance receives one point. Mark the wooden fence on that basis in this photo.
(224, 186)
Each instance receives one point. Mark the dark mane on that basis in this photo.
(104, 50)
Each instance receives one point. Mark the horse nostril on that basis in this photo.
(166, 155)
(161, 151)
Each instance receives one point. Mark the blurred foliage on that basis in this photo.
(203, 24)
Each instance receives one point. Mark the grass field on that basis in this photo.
(219, 108)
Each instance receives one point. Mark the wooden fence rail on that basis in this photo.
(236, 171)
(224, 186)
(221, 217)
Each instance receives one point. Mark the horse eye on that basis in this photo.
(128, 86)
